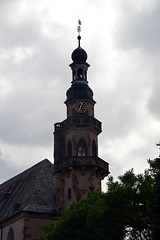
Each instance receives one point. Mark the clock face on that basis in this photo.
(80, 106)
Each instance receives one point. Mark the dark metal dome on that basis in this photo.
(79, 91)
(79, 55)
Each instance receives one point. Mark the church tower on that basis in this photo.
(77, 167)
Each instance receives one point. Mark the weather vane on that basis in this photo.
(79, 30)
(79, 26)
(158, 144)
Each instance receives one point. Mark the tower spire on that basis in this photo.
(79, 30)
(76, 139)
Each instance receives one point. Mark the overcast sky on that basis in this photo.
(122, 40)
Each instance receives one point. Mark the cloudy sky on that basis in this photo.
(122, 39)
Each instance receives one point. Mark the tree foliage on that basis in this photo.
(130, 209)
(155, 210)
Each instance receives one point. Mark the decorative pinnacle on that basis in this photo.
(79, 30)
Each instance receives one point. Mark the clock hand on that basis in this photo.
(80, 107)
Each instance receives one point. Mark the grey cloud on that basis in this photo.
(154, 100)
(28, 114)
(5, 170)
(139, 29)
(14, 29)
(38, 85)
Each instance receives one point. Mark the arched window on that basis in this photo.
(74, 74)
(80, 73)
(94, 150)
(82, 148)
(69, 148)
(10, 234)
(85, 75)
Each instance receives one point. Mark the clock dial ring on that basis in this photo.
(80, 106)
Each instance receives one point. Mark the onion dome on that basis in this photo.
(79, 55)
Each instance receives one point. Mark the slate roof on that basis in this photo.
(31, 190)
